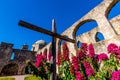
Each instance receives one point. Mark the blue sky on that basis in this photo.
(41, 13)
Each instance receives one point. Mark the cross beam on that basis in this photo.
(41, 30)
(54, 36)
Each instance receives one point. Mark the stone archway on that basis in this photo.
(24, 70)
(84, 24)
(111, 7)
(99, 37)
(9, 69)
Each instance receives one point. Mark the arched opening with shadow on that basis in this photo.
(45, 53)
(40, 52)
(10, 69)
(59, 45)
(85, 27)
(79, 43)
(24, 70)
(12, 56)
(27, 70)
(50, 48)
(63, 48)
(113, 11)
(99, 37)
(59, 50)
(61, 42)
(82, 27)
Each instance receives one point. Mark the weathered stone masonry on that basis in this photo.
(109, 29)
(18, 65)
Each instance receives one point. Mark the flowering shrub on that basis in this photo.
(102, 57)
(86, 65)
(91, 52)
(88, 69)
(42, 67)
(115, 75)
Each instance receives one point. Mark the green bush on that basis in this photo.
(32, 78)
(7, 78)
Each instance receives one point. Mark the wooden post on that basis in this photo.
(54, 76)
(54, 36)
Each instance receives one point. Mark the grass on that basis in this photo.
(32, 78)
(8, 78)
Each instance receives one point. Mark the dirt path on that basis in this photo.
(18, 77)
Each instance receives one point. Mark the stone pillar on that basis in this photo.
(105, 27)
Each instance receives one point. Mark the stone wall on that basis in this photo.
(17, 65)
(109, 29)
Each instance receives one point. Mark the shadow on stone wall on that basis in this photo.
(17, 65)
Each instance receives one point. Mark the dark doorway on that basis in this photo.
(10, 69)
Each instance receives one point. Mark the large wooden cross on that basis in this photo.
(54, 36)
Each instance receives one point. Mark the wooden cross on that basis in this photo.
(54, 36)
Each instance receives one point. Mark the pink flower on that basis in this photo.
(118, 51)
(112, 48)
(65, 51)
(96, 58)
(84, 47)
(75, 63)
(45, 55)
(88, 69)
(39, 60)
(118, 56)
(79, 76)
(91, 52)
(72, 71)
(81, 55)
(115, 75)
(59, 59)
(102, 56)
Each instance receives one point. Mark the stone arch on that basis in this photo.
(71, 32)
(10, 69)
(114, 11)
(59, 48)
(110, 7)
(21, 66)
(99, 37)
(45, 52)
(79, 25)
(87, 26)
(24, 69)
(12, 57)
(50, 49)
(59, 45)
(40, 52)
(79, 44)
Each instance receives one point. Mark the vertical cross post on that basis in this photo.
(54, 51)
(54, 36)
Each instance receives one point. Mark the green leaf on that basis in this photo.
(91, 78)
